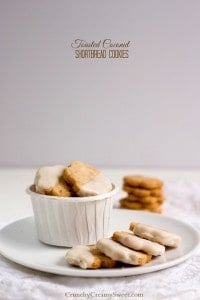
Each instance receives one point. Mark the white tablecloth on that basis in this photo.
(181, 282)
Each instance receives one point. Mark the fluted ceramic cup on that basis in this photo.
(69, 221)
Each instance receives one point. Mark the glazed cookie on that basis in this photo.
(86, 180)
(155, 235)
(143, 182)
(49, 181)
(121, 253)
(136, 243)
(89, 257)
(61, 189)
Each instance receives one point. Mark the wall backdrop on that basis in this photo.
(143, 110)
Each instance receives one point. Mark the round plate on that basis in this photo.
(19, 243)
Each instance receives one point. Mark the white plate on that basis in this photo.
(19, 243)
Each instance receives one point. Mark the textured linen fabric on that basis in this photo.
(175, 283)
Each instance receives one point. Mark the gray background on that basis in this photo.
(142, 111)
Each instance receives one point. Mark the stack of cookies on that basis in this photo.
(144, 193)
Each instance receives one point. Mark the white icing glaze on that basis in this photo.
(120, 253)
(80, 256)
(47, 177)
(134, 242)
(163, 237)
(99, 185)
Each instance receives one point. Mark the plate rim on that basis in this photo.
(117, 272)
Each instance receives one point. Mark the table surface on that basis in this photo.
(182, 191)
(14, 201)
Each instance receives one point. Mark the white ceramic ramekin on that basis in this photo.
(69, 221)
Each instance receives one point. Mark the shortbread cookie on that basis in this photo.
(136, 243)
(140, 192)
(49, 181)
(129, 204)
(157, 192)
(143, 182)
(137, 204)
(155, 235)
(89, 257)
(124, 203)
(158, 209)
(146, 200)
(86, 180)
(61, 189)
(121, 253)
